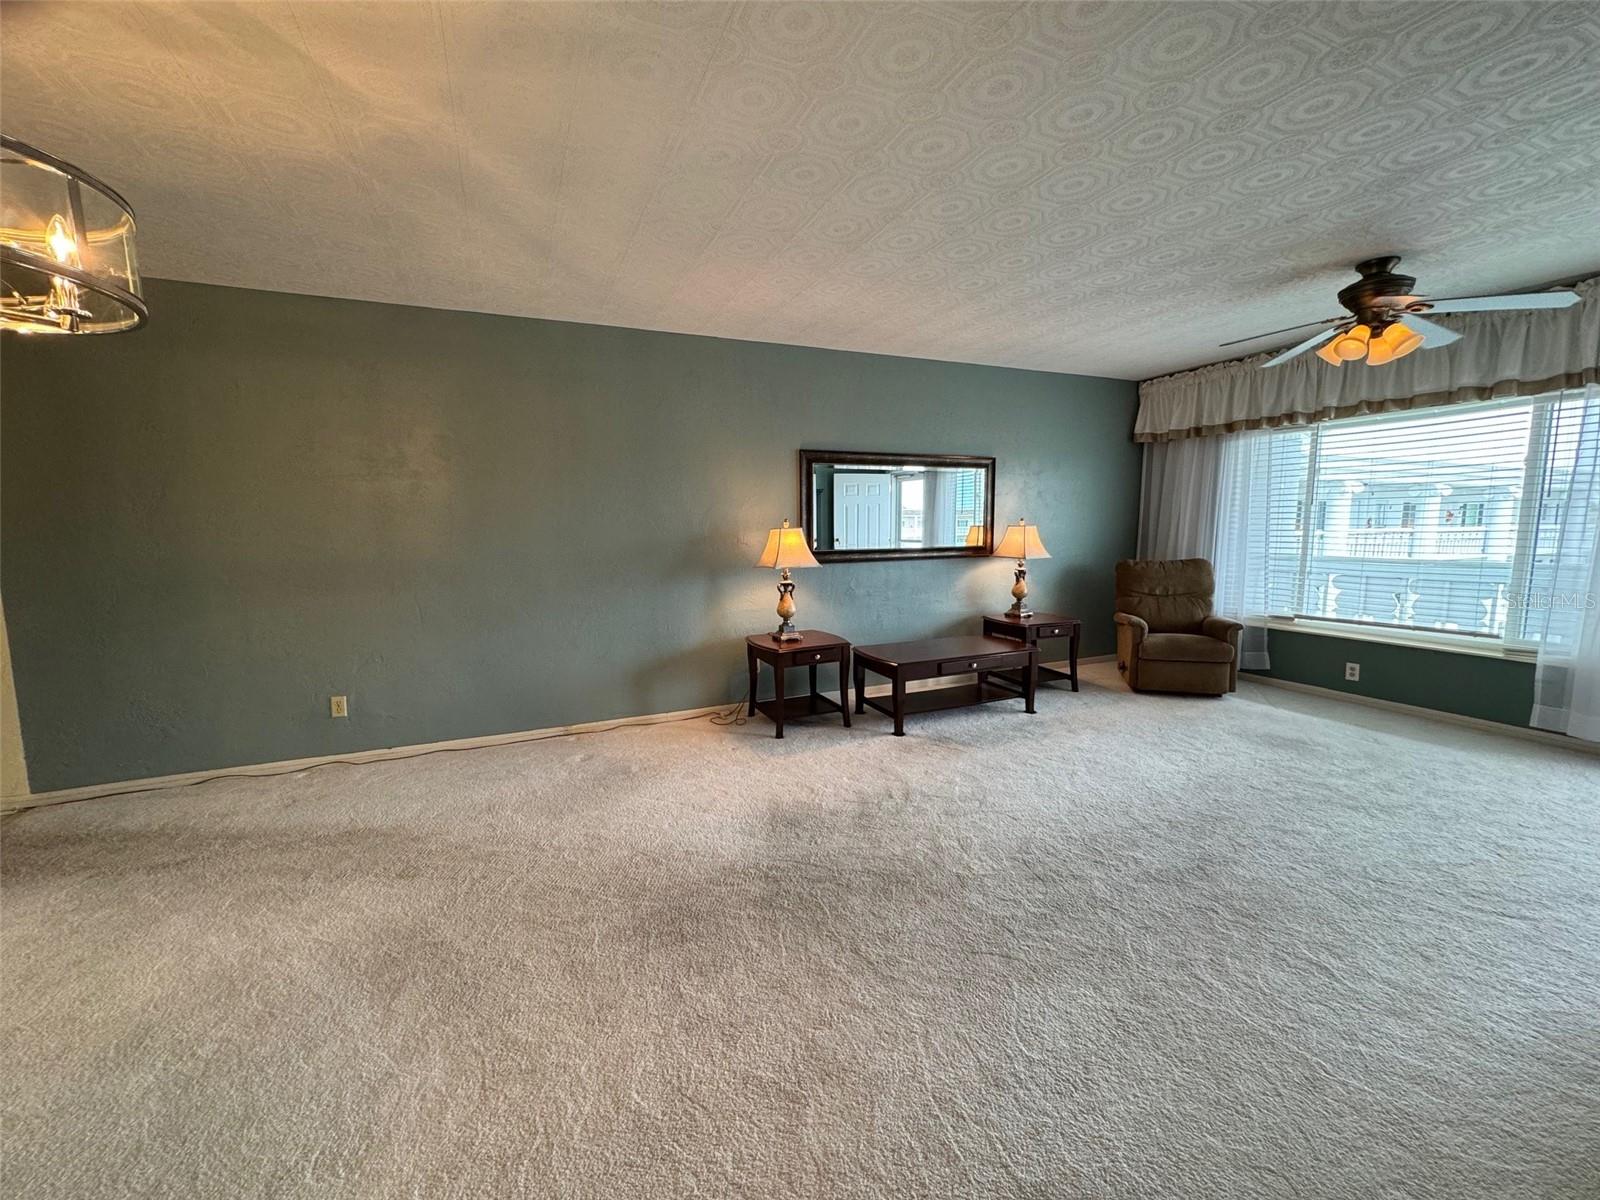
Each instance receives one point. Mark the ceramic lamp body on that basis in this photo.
(1019, 593)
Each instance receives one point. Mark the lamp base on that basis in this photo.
(785, 632)
(1019, 592)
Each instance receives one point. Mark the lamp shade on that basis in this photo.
(67, 262)
(1401, 339)
(786, 547)
(1352, 344)
(975, 535)
(1021, 541)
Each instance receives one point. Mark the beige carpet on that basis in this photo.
(1268, 946)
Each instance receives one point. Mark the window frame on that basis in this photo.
(1512, 642)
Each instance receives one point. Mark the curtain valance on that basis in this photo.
(1500, 354)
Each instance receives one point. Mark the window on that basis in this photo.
(968, 508)
(908, 492)
(1443, 520)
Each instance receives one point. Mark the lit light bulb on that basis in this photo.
(65, 303)
(61, 241)
(1352, 344)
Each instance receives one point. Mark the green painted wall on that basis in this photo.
(1470, 685)
(470, 524)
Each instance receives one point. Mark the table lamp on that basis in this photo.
(1021, 542)
(786, 548)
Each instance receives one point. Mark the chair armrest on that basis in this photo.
(1136, 625)
(1223, 629)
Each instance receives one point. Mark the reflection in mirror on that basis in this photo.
(861, 506)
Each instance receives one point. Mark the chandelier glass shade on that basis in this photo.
(67, 258)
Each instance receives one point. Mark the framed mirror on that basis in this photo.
(856, 507)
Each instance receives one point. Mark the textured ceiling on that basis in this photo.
(1108, 188)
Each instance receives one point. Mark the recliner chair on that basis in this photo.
(1167, 638)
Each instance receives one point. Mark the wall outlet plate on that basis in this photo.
(338, 706)
(1352, 672)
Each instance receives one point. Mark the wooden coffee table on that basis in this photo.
(902, 662)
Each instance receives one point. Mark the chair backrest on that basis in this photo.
(1170, 595)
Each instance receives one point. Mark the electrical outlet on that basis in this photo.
(338, 706)
(1352, 672)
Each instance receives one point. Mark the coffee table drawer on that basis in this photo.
(989, 662)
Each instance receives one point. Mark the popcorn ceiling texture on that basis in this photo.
(1135, 946)
(1108, 189)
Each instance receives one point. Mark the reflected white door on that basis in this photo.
(863, 511)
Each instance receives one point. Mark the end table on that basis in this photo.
(1031, 630)
(812, 650)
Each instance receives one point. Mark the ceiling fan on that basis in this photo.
(1386, 320)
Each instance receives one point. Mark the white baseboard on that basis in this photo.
(1416, 710)
(21, 801)
(15, 803)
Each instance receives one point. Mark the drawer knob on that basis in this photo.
(817, 656)
(972, 664)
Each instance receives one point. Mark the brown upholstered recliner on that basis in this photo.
(1167, 639)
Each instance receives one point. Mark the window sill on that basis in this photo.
(1398, 637)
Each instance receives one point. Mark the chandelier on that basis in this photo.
(67, 262)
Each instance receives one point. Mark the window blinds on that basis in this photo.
(1433, 520)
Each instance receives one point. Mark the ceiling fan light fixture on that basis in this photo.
(1382, 297)
(1352, 344)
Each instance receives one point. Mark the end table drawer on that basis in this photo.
(810, 658)
(988, 662)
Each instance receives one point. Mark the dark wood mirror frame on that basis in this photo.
(809, 460)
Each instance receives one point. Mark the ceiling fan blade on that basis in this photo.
(1433, 335)
(1316, 339)
(1498, 303)
(1303, 325)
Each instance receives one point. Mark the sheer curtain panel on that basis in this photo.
(1178, 501)
(1563, 593)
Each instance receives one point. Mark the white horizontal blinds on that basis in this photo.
(1410, 520)
(1276, 526)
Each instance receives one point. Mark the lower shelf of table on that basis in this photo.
(795, 707)
(1013, 679)
(963, 695)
